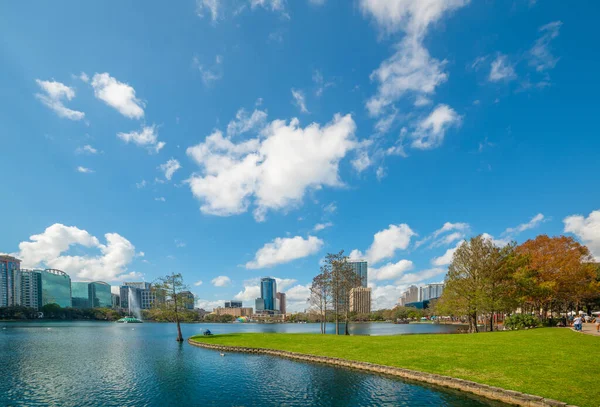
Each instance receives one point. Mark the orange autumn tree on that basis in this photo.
(557, 275)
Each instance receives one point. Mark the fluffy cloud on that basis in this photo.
(586, 229)
(274, 171)
(297, 298)
(118, 95)
(87, 149)
(55, 93)
(300, 100)
(390, 271)
(198, 283)
(249, 293)
(211, 73)
(273, 5)
(321, 226)
(169, 168)
(244, 122)
(411, 68)
(431, 130)
(540, 56)
(446, 258)
(84, 170)
(212, 6)
(442, 236)
(501, 70)
(534, 222)
(283, 250)
(386, 242)
(386, 296)
(209, 305)
(146, 137)
(48, 250)
(221, 281)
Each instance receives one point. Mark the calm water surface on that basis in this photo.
(109, 364)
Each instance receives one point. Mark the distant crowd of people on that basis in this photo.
(578, 321)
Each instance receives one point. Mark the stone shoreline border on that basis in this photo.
(483, 390)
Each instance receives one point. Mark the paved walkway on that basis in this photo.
(590, 329)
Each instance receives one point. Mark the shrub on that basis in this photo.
(521, 321)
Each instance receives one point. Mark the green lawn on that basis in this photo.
(550, 362)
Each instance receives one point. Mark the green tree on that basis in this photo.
(167, 299)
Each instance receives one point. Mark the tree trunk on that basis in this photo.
(179, 336)
(492, 322)
(473, 323)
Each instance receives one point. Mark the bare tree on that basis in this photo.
(319, 295)
(343, 279)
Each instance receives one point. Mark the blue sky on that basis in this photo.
(229, 140)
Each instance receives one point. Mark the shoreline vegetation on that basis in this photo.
(553, 363)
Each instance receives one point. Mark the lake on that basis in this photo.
(110, 364)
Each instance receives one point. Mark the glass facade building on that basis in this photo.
(56, 288)
(31, 288)
(10, 281)
(361, 269)
(233, 304)
(100, 295)
(268, 295)
(80, 297)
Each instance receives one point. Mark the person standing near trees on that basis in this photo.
(577, 323)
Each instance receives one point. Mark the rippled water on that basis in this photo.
(109, 364)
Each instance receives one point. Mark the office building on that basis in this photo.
(235, 312)
(115, 300)
(360, 300)
(233, 304)
(431, 291)
(281, 302)
(267, 303)
(360, 267)
(56, 288)
(188, 299)
(80, 296)
(100, 295)
(141, 293)
(31, 288)
(10, 281)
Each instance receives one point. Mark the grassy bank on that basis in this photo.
(550, 362)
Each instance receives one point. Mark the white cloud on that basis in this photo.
(442, 236)
(160, 199)
(390, 271)
(501, 70)
(317, 2)
(273, 5)
(84, 170)
(540, 56)
(84, 77)
(498, 242)
(209, 305)
(534, 222)
(198, 283)
(141, 184)
(283, 250)
(221, 281)
(297, 298)
(210, 74)
(422, 101)
(118, 95)
(386, 296)
(249, 293)
(244, 122)
(48, 250)
(386, 242)
(431, 130)
(321, 226)
(587, 230)
(300, 100)
(362, 161)
(274, 171)
(179, 243)
(146, 137)
(447, 257)
(211, 5)
(55, 93)
(169, 168)
(415, 278)
(87, 149)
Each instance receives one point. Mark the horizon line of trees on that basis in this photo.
(545, 277)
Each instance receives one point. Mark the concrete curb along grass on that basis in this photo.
(483, 390)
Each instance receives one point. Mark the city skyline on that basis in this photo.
(391, 135)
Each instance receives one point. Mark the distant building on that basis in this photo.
(188, 299)
(10, 281)
(31, 288)
(281, 302)
(360, 267)
(235, 312)
(431, 291)
(267, 303)
(56, 288)
(115, 300)
(91, 295)
(140, 292)
(412, 295)
(360, 300)
(80, 295)
(233, 304)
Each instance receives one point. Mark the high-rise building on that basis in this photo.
(56, 288)
(80, 295)
(360, 267)
(142, 293)
(10, 281)
(267, 303)
(282, 302)
(31, 288)
(360, 300)
(188, 299)
(431, 291)
(233, 304)
(412, 294)
(236, 312)
(99, 295)
(115, 300)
